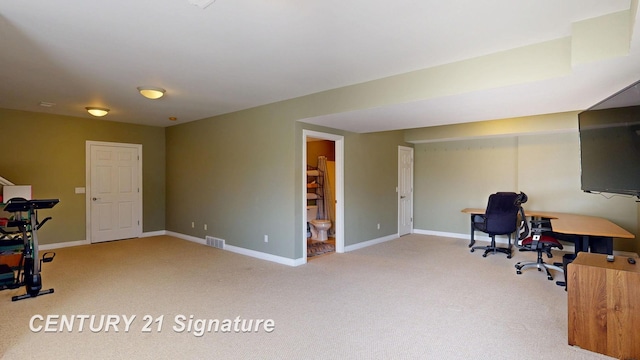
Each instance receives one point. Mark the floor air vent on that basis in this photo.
(215, 242)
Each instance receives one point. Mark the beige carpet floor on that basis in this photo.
(417, 297)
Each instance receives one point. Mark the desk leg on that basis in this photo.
(473, 241)
(587, 243)
(582, 244)
(609, 246)
(602, 245)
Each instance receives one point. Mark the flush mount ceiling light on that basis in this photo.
(151, 92)
(97, 111)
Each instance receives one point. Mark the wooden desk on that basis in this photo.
(603, 301)
(573, 224)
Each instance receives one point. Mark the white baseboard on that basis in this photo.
(280, 259)
(364, 244)
(153, 233)
(62, 245)
(300, 261)
(186, 237)
(567, 247)
(263, 256)
(503, 240)
(86, 242)
(241, 251)
(448, 234)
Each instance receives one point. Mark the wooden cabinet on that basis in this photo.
(604, 305)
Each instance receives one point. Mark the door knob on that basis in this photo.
(94, 199)
(402, 197)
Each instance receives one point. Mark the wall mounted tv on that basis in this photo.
(610, 144)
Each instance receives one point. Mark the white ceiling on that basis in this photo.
(238, 54)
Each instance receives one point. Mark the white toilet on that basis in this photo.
(318, 228)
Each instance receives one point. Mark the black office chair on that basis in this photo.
(542, 242)
(500, 218)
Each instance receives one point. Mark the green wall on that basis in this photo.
(241, 175)
(371, 179)
(516, 155)
(235, 174)
(48, 152)
(450, 176)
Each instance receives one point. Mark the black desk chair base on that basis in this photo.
(493, 249)
(542, 244)
(540, 266)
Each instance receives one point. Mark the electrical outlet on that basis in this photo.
(266, 238)
(378, 226)
(205, 227)
(193, 224)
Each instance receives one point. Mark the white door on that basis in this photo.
(114, 191)
(405, 190)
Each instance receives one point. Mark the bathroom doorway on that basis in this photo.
(331, 147)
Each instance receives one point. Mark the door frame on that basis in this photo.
(339, 224)
(88, 145)
(410, 149)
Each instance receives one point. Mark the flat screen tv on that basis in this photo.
(610, 144)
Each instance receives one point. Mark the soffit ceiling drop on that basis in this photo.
(219, 57)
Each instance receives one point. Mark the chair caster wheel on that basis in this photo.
(508, 256)
(472, 250)
(549, 277)
(484, 255)
(519, 272)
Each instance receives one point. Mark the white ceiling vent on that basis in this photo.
(201, 3)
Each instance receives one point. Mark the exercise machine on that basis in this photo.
(25, 219)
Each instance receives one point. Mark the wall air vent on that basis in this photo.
(215, 242)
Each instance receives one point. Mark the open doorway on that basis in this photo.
(323, 192)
